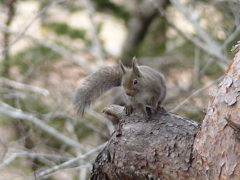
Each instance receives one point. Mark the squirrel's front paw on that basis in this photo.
(146, 117)
(128, 109)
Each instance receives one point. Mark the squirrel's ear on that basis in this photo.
(122, 67)
(135, 67)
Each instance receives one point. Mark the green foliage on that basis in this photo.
(65, 29)
(33, 56)
(197, 116)
(215, 70)
(4, 2)
(154, 43)
(35, 103)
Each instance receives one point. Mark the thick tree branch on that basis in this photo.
(138, 149)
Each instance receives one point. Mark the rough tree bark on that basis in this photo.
(216, 147)
(172, 147)
(139, 149)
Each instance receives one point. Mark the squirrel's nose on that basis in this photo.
(129, 93)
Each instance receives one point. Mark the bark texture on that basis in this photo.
(216, 148)
(139, 149)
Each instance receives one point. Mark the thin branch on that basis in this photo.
(103, 119)
(76, 121)
(230, 38)
(17, 113)
(31, 155)
(31, 22)
(94, 28)
(194, 21)
(4, 151)
(56, 48)
(68, 163)
(66, 170)
(194, 94)
(213, 52)
(25, 87)
(206, 67)
(61, 50)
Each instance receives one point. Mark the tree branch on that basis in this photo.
(68, 163)
(25, 87)
(17, 113)
(207, 48)
(31, 22)
(96, 41)
(56, 48)
(193, 18)
(160, 148)
(195, 94)
(103, 119)
(31, 155)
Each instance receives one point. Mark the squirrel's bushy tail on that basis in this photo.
(96, 85)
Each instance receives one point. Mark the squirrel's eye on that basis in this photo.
(135, 82)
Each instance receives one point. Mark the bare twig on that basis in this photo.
(31, 155)
(103, 119)
(68, 163)
(4, 151)
(230, 38)
(31, 22)
(17, 113)
(65, 170)
(94, 28)
(196, 67)
(207, 66)
(75, 121)
(192, 17)
(56, 48)
(25, 87)
(194, 94)
(207, 48)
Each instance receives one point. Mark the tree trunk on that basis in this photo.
(216, 147)
(172, 147)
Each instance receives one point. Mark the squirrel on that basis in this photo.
(143, 86)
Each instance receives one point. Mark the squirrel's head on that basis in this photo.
(132, 78)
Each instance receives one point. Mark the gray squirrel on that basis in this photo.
(143, 87)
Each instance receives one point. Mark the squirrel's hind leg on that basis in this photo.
(154, 105)
(142, 109)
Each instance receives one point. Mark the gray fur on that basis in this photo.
(96, 85)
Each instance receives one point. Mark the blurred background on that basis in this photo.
(47, 47)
